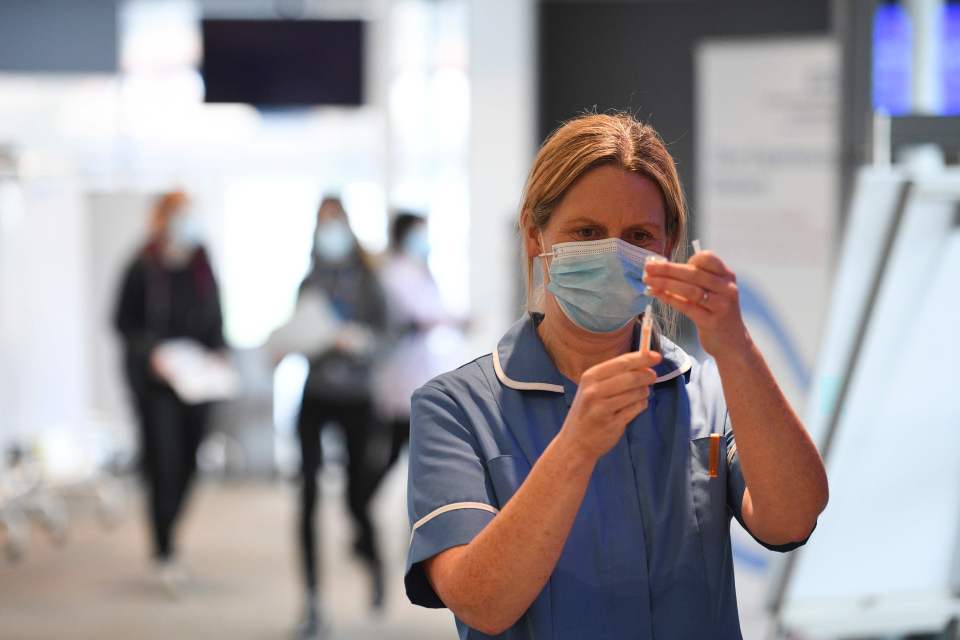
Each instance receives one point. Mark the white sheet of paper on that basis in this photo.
(194, 372)
(313, 328)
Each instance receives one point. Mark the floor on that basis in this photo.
(237, 544)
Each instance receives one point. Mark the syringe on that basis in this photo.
(646, 329)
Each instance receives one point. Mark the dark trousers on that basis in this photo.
(170, 434)
(356, 419)
(398, 430)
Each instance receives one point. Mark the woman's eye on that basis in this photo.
(586, 233)
(640, 237)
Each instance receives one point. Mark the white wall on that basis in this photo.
(143, 132)
(116, 227)
(42, 293)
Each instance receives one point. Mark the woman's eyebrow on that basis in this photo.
(646, 226)
(584, 220)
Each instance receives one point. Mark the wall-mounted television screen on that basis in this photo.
(283, 63)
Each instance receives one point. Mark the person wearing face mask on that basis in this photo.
(576, 483)
(338, 391)
(168, 292)
(425, 334)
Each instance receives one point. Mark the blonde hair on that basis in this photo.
(165, 206)
(594, 140)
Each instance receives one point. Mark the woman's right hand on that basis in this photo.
(611, 394)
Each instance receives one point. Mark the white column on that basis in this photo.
(926, 16)
(502, 145)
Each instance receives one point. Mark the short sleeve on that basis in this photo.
(449, 496)
(736, 486)
(707, 393)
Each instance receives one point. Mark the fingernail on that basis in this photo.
(647, 291)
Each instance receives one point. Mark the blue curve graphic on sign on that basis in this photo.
(755, 308)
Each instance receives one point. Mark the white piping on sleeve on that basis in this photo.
(482, 506)
(521, 386)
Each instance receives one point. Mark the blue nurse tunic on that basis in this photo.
(648, 555)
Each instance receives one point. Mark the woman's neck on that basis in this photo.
(573, 349)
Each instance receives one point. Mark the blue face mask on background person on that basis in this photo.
(184, 232)
(182, 240)
(333, 240)
(599, 283)
(417, 244)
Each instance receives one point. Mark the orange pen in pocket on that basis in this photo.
(714, 454)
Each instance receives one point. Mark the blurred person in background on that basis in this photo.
(418, 317)
(339, 390)
(169, 292)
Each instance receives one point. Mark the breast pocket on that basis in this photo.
(507, 473)
(710, 502)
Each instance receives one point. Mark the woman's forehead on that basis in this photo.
(330, 211)
(614, 196)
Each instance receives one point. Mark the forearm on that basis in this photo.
(786, 481)
(492, 581)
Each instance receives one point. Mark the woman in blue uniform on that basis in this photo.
(571, 485)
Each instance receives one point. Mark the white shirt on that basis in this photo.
(413, 298)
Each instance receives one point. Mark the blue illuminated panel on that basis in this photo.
(950, 60)
(892, 59)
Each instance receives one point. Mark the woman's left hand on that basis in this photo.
(705, 291)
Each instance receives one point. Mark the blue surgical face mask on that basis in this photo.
(184, 232)
(333, 241)
(599, 283)
(417, 244)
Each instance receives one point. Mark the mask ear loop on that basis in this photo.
(542, 270)
(543, 254)
(545, 269)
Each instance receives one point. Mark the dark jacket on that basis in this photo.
(355, 294)
(157, 303)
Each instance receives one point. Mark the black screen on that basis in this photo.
(283, 63)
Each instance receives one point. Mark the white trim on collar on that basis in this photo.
(521, 386)
(676, 373)
(556, 388)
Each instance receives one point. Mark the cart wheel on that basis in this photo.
(111, 500)
(54, 518)
(17, 531)
(13, 551)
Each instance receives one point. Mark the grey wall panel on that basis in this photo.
(639, 56)
(61, 36)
